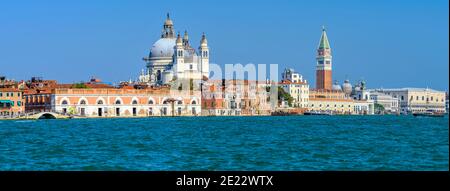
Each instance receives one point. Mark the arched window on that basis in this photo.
(180, 103)
(194, 102)
(134, 102)
(150, 102)
(64, 102)
(100, 102)
(118, 102)
(165, 102)
(83, 102)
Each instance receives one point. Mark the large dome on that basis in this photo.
(163, 48)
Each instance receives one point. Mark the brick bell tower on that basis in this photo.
(324, 62)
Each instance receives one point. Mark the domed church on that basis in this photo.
(172, 57)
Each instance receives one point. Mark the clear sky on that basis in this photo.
(402, 43)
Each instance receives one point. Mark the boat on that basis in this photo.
(429, 113)
(317, 113)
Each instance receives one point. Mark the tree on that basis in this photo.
(79, 86)
(378, 108)
(283, 95)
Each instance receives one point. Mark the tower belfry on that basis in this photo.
(324, 63)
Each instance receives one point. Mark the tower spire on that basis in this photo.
(324, 44)
(186, 38)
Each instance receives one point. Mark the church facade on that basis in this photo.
(173, 58)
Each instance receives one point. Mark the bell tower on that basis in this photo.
(204, 56)
(324, 63)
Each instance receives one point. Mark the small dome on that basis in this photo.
(163, 48)
(336, 87)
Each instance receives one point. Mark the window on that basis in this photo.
(431, 98)
(100, 102)
(118, 102)
(194, 102)
(402, 98)
(180, 103)
(190, 67)
(417, 98)
(82, 102)
(423, 98)
(150, 102)
(64, 102)
(134, 102)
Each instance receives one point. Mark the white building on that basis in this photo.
(390, 104)
(172, 57)
(418, 99)
(294, 84)
(363, 107)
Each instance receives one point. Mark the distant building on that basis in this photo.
(294, 84)
(417, 99)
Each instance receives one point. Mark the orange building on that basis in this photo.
(11, 102)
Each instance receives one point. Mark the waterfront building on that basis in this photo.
(11, 102)
(324, 63)
(417, 99)
(364, 107)
(294, 84)
(389, 103)
(330, 101)
(172, 57)
(115, 102)
(235, 97)
(95, 99)
(361, 96)
(446, 102)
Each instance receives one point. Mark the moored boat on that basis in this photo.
(429, 113)
(317, 113)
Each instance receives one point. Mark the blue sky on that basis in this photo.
(402, 43)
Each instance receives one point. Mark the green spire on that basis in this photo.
(324, 44)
